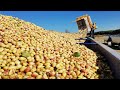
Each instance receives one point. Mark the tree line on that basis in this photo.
(111, 32)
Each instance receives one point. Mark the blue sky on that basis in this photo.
(62, 20)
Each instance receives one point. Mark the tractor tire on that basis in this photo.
(119, 46)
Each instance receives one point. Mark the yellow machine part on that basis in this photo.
(89, 20)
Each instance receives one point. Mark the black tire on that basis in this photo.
(119, 46)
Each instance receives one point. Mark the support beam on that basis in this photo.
(81, 39)
(86, 43)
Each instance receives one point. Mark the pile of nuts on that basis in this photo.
(28, 51)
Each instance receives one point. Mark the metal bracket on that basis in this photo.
(86, 43)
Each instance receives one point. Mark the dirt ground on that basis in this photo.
(101, 38)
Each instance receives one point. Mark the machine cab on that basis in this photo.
(84, 23)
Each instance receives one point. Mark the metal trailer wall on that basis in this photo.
(112, 56)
